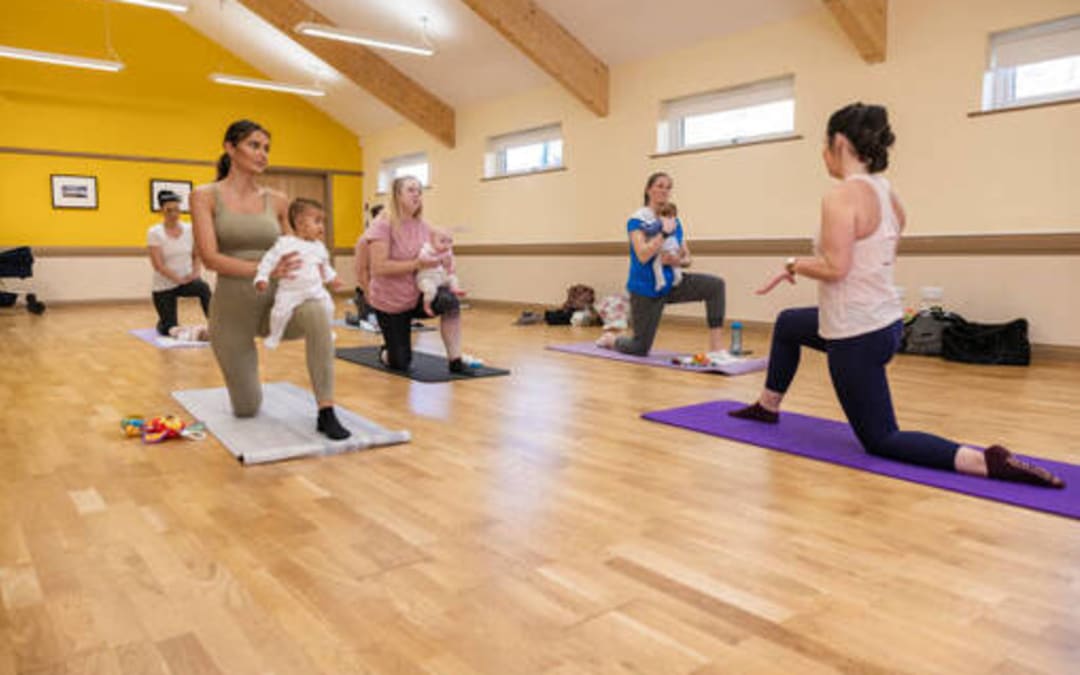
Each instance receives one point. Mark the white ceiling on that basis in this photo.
(473, 62)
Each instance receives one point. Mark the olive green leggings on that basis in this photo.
(238, 314)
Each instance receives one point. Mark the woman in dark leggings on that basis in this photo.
(858, 320)
(394, 249)
(647, 297)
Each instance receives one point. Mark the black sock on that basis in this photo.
(330, 426)
(1003, 465)
(756, 412)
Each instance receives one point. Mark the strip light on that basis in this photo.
(333, 33)
(270, 85)
(169, 5)
(60, 59)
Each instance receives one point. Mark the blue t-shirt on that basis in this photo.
(642, 280)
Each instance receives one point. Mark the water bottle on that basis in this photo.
(736, 338)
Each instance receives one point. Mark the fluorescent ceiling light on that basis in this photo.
(170, 5)
(60, 59)
(238, 81)
(333, 33)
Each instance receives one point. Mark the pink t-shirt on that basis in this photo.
(398, 293)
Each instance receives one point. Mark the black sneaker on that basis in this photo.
(458, 367)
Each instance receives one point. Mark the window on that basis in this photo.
(524, 152)
(750, 112)
(1034, 64)
(404, 165)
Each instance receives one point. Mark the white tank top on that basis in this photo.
(866, 299)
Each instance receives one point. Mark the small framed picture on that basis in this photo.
(74, 192)
(181, 188)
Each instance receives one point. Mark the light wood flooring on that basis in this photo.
(534, 525)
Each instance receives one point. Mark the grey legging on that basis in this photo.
(238, 314)
(645, 312)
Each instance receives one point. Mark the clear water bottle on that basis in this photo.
(736, 338)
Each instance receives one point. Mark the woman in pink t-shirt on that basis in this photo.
(394, 249)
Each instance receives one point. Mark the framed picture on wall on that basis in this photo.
(180, 187)
(74, 192)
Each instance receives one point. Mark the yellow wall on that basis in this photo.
(160, 105)
(1014, 172)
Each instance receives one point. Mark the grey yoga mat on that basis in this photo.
(284, 427)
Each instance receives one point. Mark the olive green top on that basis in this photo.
(245, 235)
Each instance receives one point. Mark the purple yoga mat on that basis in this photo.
(661, 358)
(834, 442)
(151, 336)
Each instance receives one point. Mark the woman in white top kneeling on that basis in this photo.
(176, 266)
(858, 320)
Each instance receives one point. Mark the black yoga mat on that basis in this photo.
(424, 368)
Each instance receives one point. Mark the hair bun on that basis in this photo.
(867, 127)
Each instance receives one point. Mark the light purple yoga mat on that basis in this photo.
(661, 358)
(161, 342)
(834, 442)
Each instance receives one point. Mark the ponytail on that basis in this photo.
(223, 164)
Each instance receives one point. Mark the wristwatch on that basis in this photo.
(789, 265)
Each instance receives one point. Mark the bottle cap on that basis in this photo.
(736, 324)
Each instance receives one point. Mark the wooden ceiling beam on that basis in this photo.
(364, 67)
(544, 40)
(864, 21)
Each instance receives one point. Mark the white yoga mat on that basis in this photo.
(150, 335)
(284, 427)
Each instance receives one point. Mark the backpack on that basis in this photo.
(924, 333)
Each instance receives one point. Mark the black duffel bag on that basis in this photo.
(1004, 344)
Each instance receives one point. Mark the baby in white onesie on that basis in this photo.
(671, 245)
(309, 281)
(429, 279)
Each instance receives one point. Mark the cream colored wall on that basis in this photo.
(1001, 173)
(1013, 172)
(982, 288)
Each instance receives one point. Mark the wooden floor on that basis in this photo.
(534, 525)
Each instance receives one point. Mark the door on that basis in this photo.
(301, 184)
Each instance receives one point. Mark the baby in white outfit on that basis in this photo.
(429, 279)
(671, 245)
(309, 280)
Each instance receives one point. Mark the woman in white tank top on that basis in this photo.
(858, 320)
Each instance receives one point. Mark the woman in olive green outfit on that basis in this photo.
(235, 222)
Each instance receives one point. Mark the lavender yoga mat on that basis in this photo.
(662, 358)
(151, 336)
(834, 442)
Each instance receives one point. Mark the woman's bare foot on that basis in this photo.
(607, 340)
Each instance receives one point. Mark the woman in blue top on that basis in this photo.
(647, 234)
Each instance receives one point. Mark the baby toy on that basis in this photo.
(162, 428)
(705, 359)
(132, 425)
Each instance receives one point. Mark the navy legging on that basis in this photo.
(857, 367)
